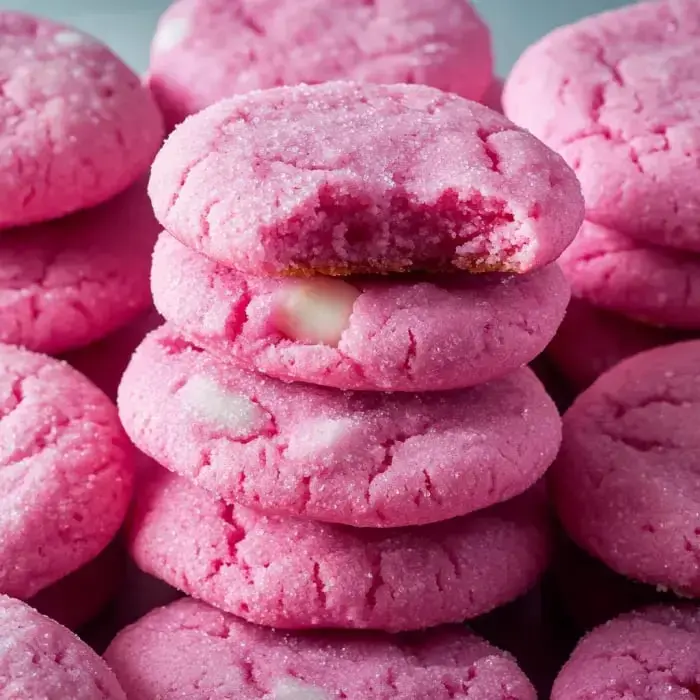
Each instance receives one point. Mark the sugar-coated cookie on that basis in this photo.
(67, 470)
(618, 95)
(69, 282)
(625, 482)
(77, 125)
(41, 660)
(590, 341)
(363, 459)
(206, 50)
(400, 333)
(342, 178)
(191, 650)
(653, 654)
(654, 285)
(297, 574)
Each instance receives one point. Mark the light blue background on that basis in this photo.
(127, 25)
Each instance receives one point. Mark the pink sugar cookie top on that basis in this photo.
(340, 178)
(77, 125)
(626, 483)
(618, 95)
(297, 574)
(207, 50)
(380, 460)
(66, 471)
(69, 282)
(653, 654)
(647, 283)
(43, 661)
(401, 333)
(193, 650)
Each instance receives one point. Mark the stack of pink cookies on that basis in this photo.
(317, 272)
(616, 95)
(207, 50)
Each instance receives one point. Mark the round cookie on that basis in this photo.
(77, 125)
(67, 470)
(297, 574)
(403, 333)
(191, 650)
(69, 282)
(653, 654)
(617, 95)
(625, 482)
(373, 460)
(344, 178)
(591, 341)
(653, 285)
(41, 659)
(207, 50)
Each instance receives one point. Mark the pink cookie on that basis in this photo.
(206, 50)
(69, 282)
(658, 286)
(297, 574)
(404, 333)
(66, 471)
(373, 460)
(590, 341)
(191, 650)
(625, 483)
(77, 125)
(342, 178)
(41, 660)
(618, 96)
(653, 654)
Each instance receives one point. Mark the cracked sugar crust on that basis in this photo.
(41, 659)
(404, 333)
(343, 178)
(69, 282)
(193, 650)
(653, 654)
(77, 125)
(207, 50)
(617, 95)
(297, 574)
(653, 285)
(67, 470)
(626, 483)
(609, 339)
(375, 460)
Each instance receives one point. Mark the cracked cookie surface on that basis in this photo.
(363, 459)
(625, 483)
(343, 178)
(211, 655)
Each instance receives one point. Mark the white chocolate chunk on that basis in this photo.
(290, 689)
(170, 34)
(240, 416)
(315, 311)
(317, 436)
(69, 38)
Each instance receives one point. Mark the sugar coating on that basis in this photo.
(342, 177)
(67, 470)
(77, 125)
(625, 482)
(206, 50)
(296, 574)
(647, 283)
(402, 333)
(617, 95)
(189, 649)
(653, 654)
(591, 341)
(377, 460)
(69, 282)
(39, 659)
